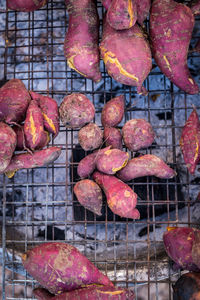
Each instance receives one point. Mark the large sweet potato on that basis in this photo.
(143, 8)
(120, 197)
(81, 40)
(90, 137)
(171, 26)
(60, 267)
(187, 287)
(14, 101)
(113, 112)
(28, 5)
(127, 55)
(112, 137)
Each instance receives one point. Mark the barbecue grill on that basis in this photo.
(38, 205)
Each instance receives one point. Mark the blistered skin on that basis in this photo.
(112, 137)
(129, 64)
(81, 41)
(146, 165)
(143, 8)
(113, 111)
(14, 101)
(120, 197)
(28, 5)
(76, 110)
(122, 14)
(8, 141)
(90, 137)
(60, 267)
(187, 287)
(190, 141)
(171, 26)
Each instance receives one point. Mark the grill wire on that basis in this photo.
(31, 49)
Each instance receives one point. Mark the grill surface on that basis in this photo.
(38, 205)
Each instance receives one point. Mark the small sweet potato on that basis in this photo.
(146, 165)
(49, 108)
(8, 141)
(29, 161)
(60, 267)
(81, 40)
(120, 197)
(122, 14)
(187, 287)
(106, 3)
(143, 8)
(112, 137)
(88, 293)
(28, 5)
(190, 141)
(137, 134)
(76, 110)
(90, 137)
(89, 195)
(113, 112)
(14, 101)
(195, 7)
(112, 161)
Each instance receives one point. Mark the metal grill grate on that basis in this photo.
(38, 205)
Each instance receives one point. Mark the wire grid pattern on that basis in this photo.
(32, 50)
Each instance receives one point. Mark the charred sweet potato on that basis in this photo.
(113, 112)
(112, 137)
(143, 8)
(120, 197)
(187, 287)
(60, 267)
(14, 101)
(90, 137)
(76, 110)
(28, 5)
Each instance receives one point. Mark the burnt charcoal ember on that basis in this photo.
(53, 233)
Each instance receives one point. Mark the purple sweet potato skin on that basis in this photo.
(14, 101)
(190, 141)
(195, 7)
(187, 287)
(8, 141)
(28, 5)
(122, 14)
(106, 3)
(89, 195)
(60, 267)
(137, 134)
(89, 293)
(113, 112)
(120, 197)
(143, 8)
(171, 26)
(81, 41)
(90, 137)
(49, 108)
(146, 165)
(76, 110)
(112, 161)
(112, 137)
(128, 65)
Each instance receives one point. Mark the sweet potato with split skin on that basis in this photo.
(28, 5)
(112, 137)
(81, 41)
(29, 161)
(120, 197)
(88, 293)
(127, 55)
(14, 101)
(171, 26)
(122, 14)
(89, 195)
(190, 141)
(113, 112)
(49, 108)
(8, 141)
(90, 137)
(143, 8)
(146, 165)
(76, 110)
(60, 267)
(187, 287)
(112, 161)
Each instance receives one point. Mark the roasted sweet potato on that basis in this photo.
(14, 101)
(190, 141)
(8, 141)
(28, 5)
(171, 26)
(89, 195)
(106, 3)
(195, 7)
(187, 287)
(49, 108)
(112, 137)
(76, 110)
(29, 161)
(113, 112)
(81, 40)
(143, 8)
(137, 134)
(120, 197)
(127, 55)
(90, 137)
(60, 267)
(122, 14)
(112, 161)
(89, 293)
(146, 165)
